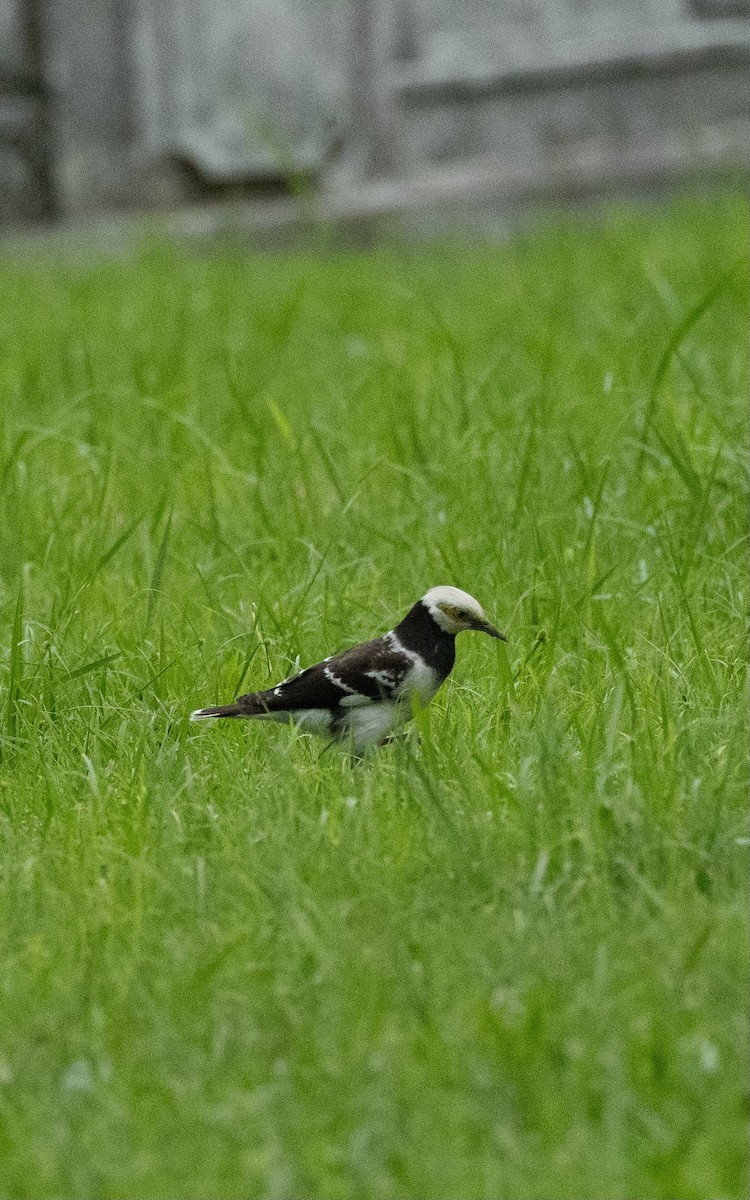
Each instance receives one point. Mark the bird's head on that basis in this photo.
(454, 611)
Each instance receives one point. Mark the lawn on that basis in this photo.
(505, 959)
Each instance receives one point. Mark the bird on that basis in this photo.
(366, 694)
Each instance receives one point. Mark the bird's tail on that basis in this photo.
(255, 704)
(223, 710)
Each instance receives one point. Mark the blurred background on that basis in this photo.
(429, 110)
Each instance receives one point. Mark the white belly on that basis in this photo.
(373, 723)
(421, 682)
(368, 725)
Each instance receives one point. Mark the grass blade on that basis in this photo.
(703, 658)
(161, 557)
(679, 334)
(91, 666)
(116, 545)
(15, 666)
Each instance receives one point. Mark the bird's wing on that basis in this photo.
(365, 674)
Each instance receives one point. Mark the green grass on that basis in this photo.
(506, 961)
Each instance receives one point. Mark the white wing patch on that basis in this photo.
(386, 679)
(339, 683)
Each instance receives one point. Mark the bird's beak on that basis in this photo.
(485, 627)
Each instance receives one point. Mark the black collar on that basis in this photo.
(420, 633)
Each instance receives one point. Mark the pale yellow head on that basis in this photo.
(455, 611)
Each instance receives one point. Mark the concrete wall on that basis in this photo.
(682, 86)
(142, 103)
